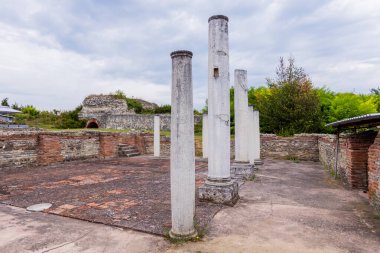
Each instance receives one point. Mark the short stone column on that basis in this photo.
(219, 187)
(205, 136)
(256, 138)
(156, 151)
(182, 150)
(241, 167)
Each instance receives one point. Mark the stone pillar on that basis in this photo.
(205, 136)
(156, 136)
(219, 187)
(251, 141)
(182, 150)
(256, 138)
(241, 167)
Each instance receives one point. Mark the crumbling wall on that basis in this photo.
(374, 173)
(18, 148)
(300, 147)
(31, 148)
(139, 121)
(352, 158)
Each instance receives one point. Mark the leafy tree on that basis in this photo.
(4, 102)
(325, 97)
(70, 119)
(348, 105)
(30, 110)
(292, 105)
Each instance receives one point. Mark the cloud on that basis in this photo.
(53, 54)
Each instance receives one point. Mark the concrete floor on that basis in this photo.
(290, 207)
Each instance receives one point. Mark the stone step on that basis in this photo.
(125, 150)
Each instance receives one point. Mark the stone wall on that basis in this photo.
(374, 173)
(18, 148)
(31, 148)
(298, 147)
(139, 121)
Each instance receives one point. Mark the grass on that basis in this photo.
(292, 158)
(251, 178)
(201, 232)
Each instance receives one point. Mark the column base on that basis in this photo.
(258, 162)
(226, 193)
(183, 237)
(243, 170)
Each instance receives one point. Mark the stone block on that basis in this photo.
(226, 193)
(243, 170)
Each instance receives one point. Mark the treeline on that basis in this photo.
(289, 104)
(33, 117)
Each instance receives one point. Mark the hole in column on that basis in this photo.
(216, 72)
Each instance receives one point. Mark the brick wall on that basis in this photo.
(18, 148)
(352, 158)
(30, 148)
(374, 173)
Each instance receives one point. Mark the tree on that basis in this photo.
(4, 102)
(348, 105)
(291, 105)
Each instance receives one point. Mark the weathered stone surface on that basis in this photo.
(242, 116)
(374, 173)
(243, 170)
(182, 153)
(39, 207)
(95, 105)
(220, 193)
(352, 158)
(299, 146)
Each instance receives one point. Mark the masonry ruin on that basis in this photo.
(107, 111)
(198, 188)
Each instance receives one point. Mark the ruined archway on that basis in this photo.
(92, 123)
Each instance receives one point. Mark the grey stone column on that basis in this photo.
(241, 167)
(219, 187)
(182, 150)
(241, 117)
(256, 138)
(205, 136)
(156, 136)
(251, 131)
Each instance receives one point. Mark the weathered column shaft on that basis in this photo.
(219, 187)
(182, 151)
(256, 137)
(218, 99)
(205, 136)
(241, 116)
(156, 136)
(251, 133)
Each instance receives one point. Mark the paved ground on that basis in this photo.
(125, 192)
(290, 207)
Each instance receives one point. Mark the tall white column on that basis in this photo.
(251, 131)
(156, 136)
(205, 136)
(218, 188)
(182, 150)
(241, 116)
(256, 137)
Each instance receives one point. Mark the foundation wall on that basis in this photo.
(32, 148)
(352, 158)
(374, 173)
(298, 147)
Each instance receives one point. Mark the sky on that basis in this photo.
(55, 53)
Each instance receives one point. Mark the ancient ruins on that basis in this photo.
(167, 190)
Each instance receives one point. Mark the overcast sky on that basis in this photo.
(55, 53)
